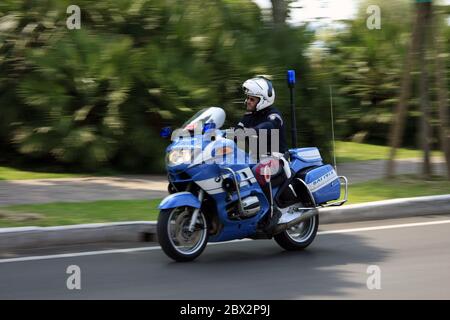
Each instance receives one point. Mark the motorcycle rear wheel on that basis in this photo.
(300, 236)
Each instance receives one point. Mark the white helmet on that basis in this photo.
(262, 88)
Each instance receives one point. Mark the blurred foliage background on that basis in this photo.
(97, 97)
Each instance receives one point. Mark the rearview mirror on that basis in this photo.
(209, 126)
(165, 132)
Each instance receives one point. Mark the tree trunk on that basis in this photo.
(398, 123)
(279, 11)
(442, 95)
(425, 130)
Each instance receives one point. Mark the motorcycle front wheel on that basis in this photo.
(299, 236)
(174, 236)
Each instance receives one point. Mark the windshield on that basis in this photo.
(206, 115)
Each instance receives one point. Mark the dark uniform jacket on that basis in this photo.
(268, 118)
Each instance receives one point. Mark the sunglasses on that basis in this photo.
(252, 99)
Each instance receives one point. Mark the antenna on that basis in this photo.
(332, 128)
(291, 84)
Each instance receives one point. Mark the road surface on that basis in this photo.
(408, 258)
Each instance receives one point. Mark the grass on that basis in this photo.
(53, 214)
(403, 186)
(10, 173)
(66, 213)
(352, 151)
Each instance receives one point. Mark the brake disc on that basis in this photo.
(182, 234)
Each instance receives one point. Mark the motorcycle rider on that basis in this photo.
(260, 96)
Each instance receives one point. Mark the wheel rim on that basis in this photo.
(182, 240)
(302, 231)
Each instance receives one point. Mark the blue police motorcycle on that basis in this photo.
(218, 192)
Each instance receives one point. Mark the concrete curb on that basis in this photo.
(395, 208)
(33, 237)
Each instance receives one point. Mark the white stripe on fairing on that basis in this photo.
(220, 190)
(215, 191)
(211, 186)
(130, 250)
(311, 154)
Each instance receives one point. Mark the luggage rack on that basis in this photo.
(332, 204)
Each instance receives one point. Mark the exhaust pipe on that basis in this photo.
(307, 215)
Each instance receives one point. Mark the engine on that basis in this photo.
(250, 207)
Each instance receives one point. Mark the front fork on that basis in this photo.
(196, 211)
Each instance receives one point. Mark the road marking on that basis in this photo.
(78, 254)
(100, 252)
(395, 226)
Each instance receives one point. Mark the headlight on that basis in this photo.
(179, 156)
